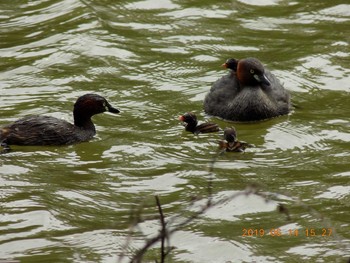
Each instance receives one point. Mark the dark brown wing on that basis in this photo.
(233, 146)
(223, 145)
(43, 130)
(207, 127)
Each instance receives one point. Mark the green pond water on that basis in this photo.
(155, 60)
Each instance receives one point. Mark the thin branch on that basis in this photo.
(219, 153)
(138, 256)
(163, 231)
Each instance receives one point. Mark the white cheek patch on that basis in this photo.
(256, 77)
(105, 106)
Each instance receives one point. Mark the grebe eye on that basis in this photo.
(252, 71)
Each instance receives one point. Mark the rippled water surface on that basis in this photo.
(155, 60)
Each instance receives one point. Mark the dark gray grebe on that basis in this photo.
(248, 93)
(46, 130)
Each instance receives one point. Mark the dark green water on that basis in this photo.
(155, 60)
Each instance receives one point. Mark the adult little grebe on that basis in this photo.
(190, 122)
(46, 130)
(248, 93)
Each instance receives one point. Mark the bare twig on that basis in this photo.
(138, 256)
(135, 219)
(219, 153)
(163, 230)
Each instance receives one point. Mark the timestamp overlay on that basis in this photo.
(292, 232)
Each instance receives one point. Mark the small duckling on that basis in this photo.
(231, 63)
(190, 122)
(231, 144)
